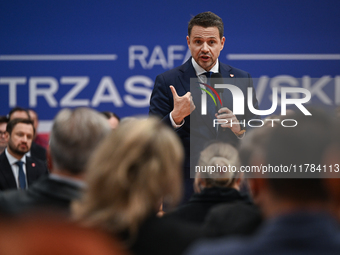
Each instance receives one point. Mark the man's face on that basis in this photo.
(205, 45)
(3, 135)
(20, 140)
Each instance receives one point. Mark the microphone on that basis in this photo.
(216, 78)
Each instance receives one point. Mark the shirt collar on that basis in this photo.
(199, 70)
(12, 160)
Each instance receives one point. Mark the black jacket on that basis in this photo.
(163, 236)
(47, 194)
(200, 204)
(35, 168)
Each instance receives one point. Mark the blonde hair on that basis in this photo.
(134, 168)
(221, 155)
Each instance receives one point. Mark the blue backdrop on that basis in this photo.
(106, 54)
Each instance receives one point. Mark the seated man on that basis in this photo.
(74, 136)
(296, 210)
(17, 171)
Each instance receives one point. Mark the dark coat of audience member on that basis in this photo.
(164, 236)
(233, 219)
(198, 206)
(46, 193)
(38, 152)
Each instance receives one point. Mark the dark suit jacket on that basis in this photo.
(164, 236)
(197, 126)
(46, 193)
(38, 151)
(309, 233)
(199, 205)
(34, 170)
(239, 218)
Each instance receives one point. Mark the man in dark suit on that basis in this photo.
(36, 150)
(74, 136)
(174, 97)
(17, 171)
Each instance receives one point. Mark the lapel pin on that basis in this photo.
(33, 164)
(231, 75)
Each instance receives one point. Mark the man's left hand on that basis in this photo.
(226, 114)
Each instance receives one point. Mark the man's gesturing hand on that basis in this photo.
(226, 114)
(183, 106)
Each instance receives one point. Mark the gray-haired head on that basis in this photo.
(74, 136)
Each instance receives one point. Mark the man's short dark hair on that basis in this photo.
(12, 123)
(18, 109)
(206, 19)
(3, 119)
(304, 144)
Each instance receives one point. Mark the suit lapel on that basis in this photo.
(30, 171)
(196, 118)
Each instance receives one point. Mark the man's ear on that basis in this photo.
(6, 136)
(49, 159)
(258, 186)
(188, 41)
(222, 42)
(199, 183)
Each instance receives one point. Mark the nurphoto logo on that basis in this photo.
(239, 103)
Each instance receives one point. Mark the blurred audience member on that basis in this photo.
(112, 118)
(296, 210)
(3, 133)
(240, 218)
(332, 162)
(36, 150)
(126, 184)
(18, 113)
(212, 185)
(40, 235)
(39, 139)
(17, 171)
(74, 136)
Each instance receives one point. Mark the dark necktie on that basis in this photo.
(210, 102)
(22, 177)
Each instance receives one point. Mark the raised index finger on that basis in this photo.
(173, 91)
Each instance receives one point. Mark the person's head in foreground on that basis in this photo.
(136, 167)
(217, 163)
